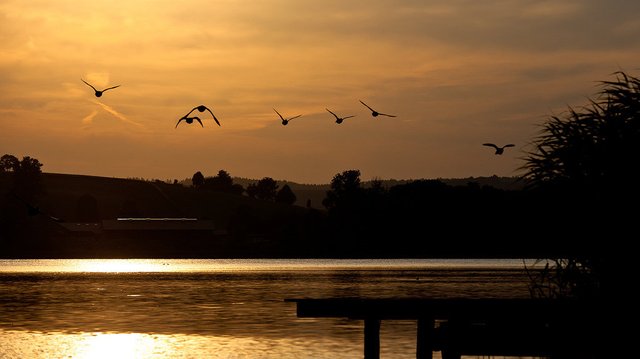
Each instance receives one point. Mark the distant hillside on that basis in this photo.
(242, 226)
(121, 197)
(505, 183)
(118, 197)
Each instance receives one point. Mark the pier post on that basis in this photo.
(372, 338)
(425, 337)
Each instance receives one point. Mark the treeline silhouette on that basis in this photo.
(408, 219)
(265, 189)
(422, 218)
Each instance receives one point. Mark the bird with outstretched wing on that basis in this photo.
(189, 120)
(285, 121)
(203, 108)
(499, 150)
(338, 118)
(98, 93)
(375, 113)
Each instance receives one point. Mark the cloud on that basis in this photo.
(87, 120)
(554, 8)
(117, 114)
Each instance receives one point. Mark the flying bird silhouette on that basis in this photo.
(98, 92)
(203, 108)
(499, 150)
(375, 113)
(285, 121)
(339, 119)
(189, 120)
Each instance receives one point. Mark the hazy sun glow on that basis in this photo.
(456, 73)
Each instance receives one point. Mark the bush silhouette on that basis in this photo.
(588, 159)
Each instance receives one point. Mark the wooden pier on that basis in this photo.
(456, 327)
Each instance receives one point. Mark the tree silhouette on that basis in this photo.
(285, 195)
(224, 178)
(197, 180)
(345, 187)
(595, 149)
(27, 177)
(29, 167)
(9, 163)
(223, 182)
(264, 189)
(220, 183)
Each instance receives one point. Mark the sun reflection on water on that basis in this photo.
(237, 265)
(118, 345)
(99, 345)
(120, 266)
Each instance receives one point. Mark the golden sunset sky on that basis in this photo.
(456, 73)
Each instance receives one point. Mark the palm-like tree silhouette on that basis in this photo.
(595, 148)
(499, 150)
(339, 119)
(203, 108)
(285, 121)
(98, 93)
(587, 158)
(375, 113)
(189, 120)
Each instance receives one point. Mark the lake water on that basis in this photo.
(221, 308)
